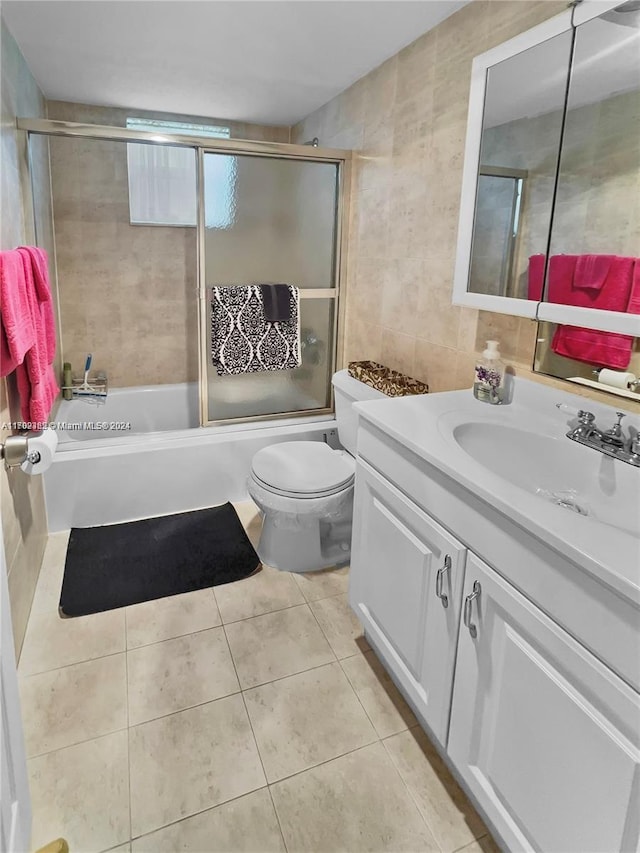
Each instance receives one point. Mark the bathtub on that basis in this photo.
(150, 458)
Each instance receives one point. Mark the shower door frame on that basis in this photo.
(280, 150)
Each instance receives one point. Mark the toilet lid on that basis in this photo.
(303, 468)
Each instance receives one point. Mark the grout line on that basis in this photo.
(77, 743)
(23, 677)
(275, 810)
(290, 675)
(351, 685)
(182, 710)
(192, 814)
(126, 669)
(177, 637)
(413, 797)
(324, 634)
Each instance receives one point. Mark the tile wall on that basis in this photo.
(407, 120)
(24, 523)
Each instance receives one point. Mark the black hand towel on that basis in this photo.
(277, 302)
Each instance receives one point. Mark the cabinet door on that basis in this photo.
(397, 553)
(544, 735)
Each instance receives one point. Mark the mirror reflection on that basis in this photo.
(521, 133)
(595, 238)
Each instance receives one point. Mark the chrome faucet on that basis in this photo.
(611, 442)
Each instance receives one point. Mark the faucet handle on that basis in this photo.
(616, 429)
(584, 416)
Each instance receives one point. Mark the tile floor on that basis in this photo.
(250, 717)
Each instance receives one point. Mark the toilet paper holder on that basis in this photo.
(15, 450)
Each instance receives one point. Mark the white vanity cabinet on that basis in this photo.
(528, 681)
(406, 586)
(543, 734)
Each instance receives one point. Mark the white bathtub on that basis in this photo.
(128, 412)
(163, 464)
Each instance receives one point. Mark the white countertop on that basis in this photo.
(425, 425)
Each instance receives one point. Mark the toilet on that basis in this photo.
(304, 490)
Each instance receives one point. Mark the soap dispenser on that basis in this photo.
(489, 375)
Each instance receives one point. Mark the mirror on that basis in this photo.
(595, 238)
(514, 129)
(521, 130)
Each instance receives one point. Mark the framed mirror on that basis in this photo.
(514, 132)
(595, 239)
(593, 274)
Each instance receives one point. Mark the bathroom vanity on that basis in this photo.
(496, 571)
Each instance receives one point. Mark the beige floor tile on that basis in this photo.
(47, 594)
(306, 719)
(340, 626)
(74, 703)
(322, 584)
(123, 848)
(51, 642)
(486, 844)
(380, 698)
(173, 616)
(190, 761)
(354, 803)
(81, 793)
(246, 825)
(277, 644)
(249, 515)
(176, 674)
(268, 590)
(444, 806)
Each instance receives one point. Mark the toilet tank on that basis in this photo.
(348, 391)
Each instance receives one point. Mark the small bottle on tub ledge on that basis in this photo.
(488, 384)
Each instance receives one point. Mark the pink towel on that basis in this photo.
(535, 277)
(17, 332)
(27, 306)
(634, 300)
(604, 349)
(561, 271)
(37, 277)
(591, 271)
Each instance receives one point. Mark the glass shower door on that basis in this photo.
(272, 220)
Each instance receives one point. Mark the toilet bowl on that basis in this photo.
(304, 490)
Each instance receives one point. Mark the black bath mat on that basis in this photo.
(120, 564)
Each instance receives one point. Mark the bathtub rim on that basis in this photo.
(160, 440)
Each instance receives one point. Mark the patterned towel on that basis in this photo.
(243, 341)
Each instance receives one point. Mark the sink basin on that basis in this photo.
(555, 469)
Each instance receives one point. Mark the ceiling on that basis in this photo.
(265, 61)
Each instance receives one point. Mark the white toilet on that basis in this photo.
(305, 491)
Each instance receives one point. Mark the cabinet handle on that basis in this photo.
(468, 604)
(444, 598)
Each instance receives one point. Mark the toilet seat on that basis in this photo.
(303, 469)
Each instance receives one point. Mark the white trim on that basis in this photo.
(499, 304)
(590, 318)
(590, 9)
(536, 35)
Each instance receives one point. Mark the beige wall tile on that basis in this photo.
(24, 524)
(405, 201)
